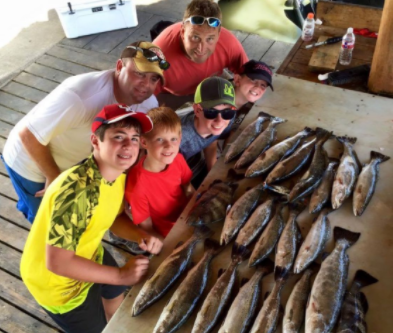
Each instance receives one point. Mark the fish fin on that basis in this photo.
(264, 115)
(322, 135)
(343, 139)
(240, 253)
(278, 189)
(278, 120)
(203, 232)
(179, 244)
(266, 266)
(280, 273)
(213, 246)
(363, 279)
(377, 155)
(220, 272)
(243, 282)
(233, 176)
(350, 236)
(228, 209)
(324, 255)
(363, 302)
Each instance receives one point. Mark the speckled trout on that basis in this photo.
(329, 286)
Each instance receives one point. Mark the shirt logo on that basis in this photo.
(228, 90)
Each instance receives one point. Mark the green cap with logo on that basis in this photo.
(214, 91)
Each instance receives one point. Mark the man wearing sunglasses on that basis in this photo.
(55, 135)
(197, 48)
(214, 111)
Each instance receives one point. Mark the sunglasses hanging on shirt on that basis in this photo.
(151, 56)
(226, 114)
(200, 20)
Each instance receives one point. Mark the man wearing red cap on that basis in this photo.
(55, 135)
(64, 266)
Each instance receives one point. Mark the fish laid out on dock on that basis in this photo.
(219, 297)
(292, 164)
(243, 309)
(322, 193)
(366, 183)
(329, 286)
(313, 175)
(355, 305)
(260, 144)
(239, 213)
(254, 225)
(269, 238)
(267, 318)
(347, 172)
(295, 308)
(246, 137)
(213, 204)
(186, 296)
(168, 272)
(274, 154)
(314, 242)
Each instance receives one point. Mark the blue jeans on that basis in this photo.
(28, 204)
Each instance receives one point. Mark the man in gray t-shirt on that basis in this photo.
(214, 110)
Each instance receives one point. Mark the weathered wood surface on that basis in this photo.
(325, 58)
(356, 114)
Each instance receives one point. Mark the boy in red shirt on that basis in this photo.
(158, 187)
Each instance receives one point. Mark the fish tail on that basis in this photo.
(239, 253)
(378, 156)
(212, 246)
(264, 115)
(322, 135)
(346, 139)
(266, 266)
(363, 301)
(363, 279)
(280, 273)
(278, 120)
(203, 232)
(350, 236)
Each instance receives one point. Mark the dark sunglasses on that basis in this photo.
(200, 20)
(151, 56)
(226, 114)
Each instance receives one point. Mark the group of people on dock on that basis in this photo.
(111, 115)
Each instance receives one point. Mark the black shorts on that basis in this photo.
(89, 317)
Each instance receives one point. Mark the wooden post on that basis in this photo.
(381, 74)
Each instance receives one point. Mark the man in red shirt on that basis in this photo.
(197, 48)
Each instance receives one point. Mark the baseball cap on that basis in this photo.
(142, 64)
(258, 70)
(116, 112)
(214, 91)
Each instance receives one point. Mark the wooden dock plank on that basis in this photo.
(107, 41)
(10, 116)
(15, 103)
(20, 90)
(47, 72)
(240, 35)
(63, 65)
(13, 234)
(6, 188)
(5, 130)
(93, 60)
(276, 54)
(256, 46)
(36, 82)
(3, 171)
(13, 320)
(9, 259)
(142, 33)
(2, 143)
(8, 211)
(79, 42)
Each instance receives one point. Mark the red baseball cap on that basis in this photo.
(116, 112)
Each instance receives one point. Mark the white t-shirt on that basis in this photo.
(62, 121)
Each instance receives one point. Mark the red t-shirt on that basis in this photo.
(184, 75)
(158, 195)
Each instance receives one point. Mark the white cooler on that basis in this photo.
(85, 18)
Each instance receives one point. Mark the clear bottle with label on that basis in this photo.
(308, 28)
(347, 47)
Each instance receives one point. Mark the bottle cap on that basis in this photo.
(310, 15)
(350, 30)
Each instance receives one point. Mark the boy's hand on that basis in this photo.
(134, 270)
(150, 244)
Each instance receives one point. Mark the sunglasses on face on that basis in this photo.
(151, 56)
(226, 114)
(200, 20)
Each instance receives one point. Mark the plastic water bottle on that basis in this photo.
(347, 47)
(308, 27)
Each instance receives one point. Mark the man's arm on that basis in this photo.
(41, 155)
(210, 153)
(147, 226)
(66, 263)
(148, 241)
